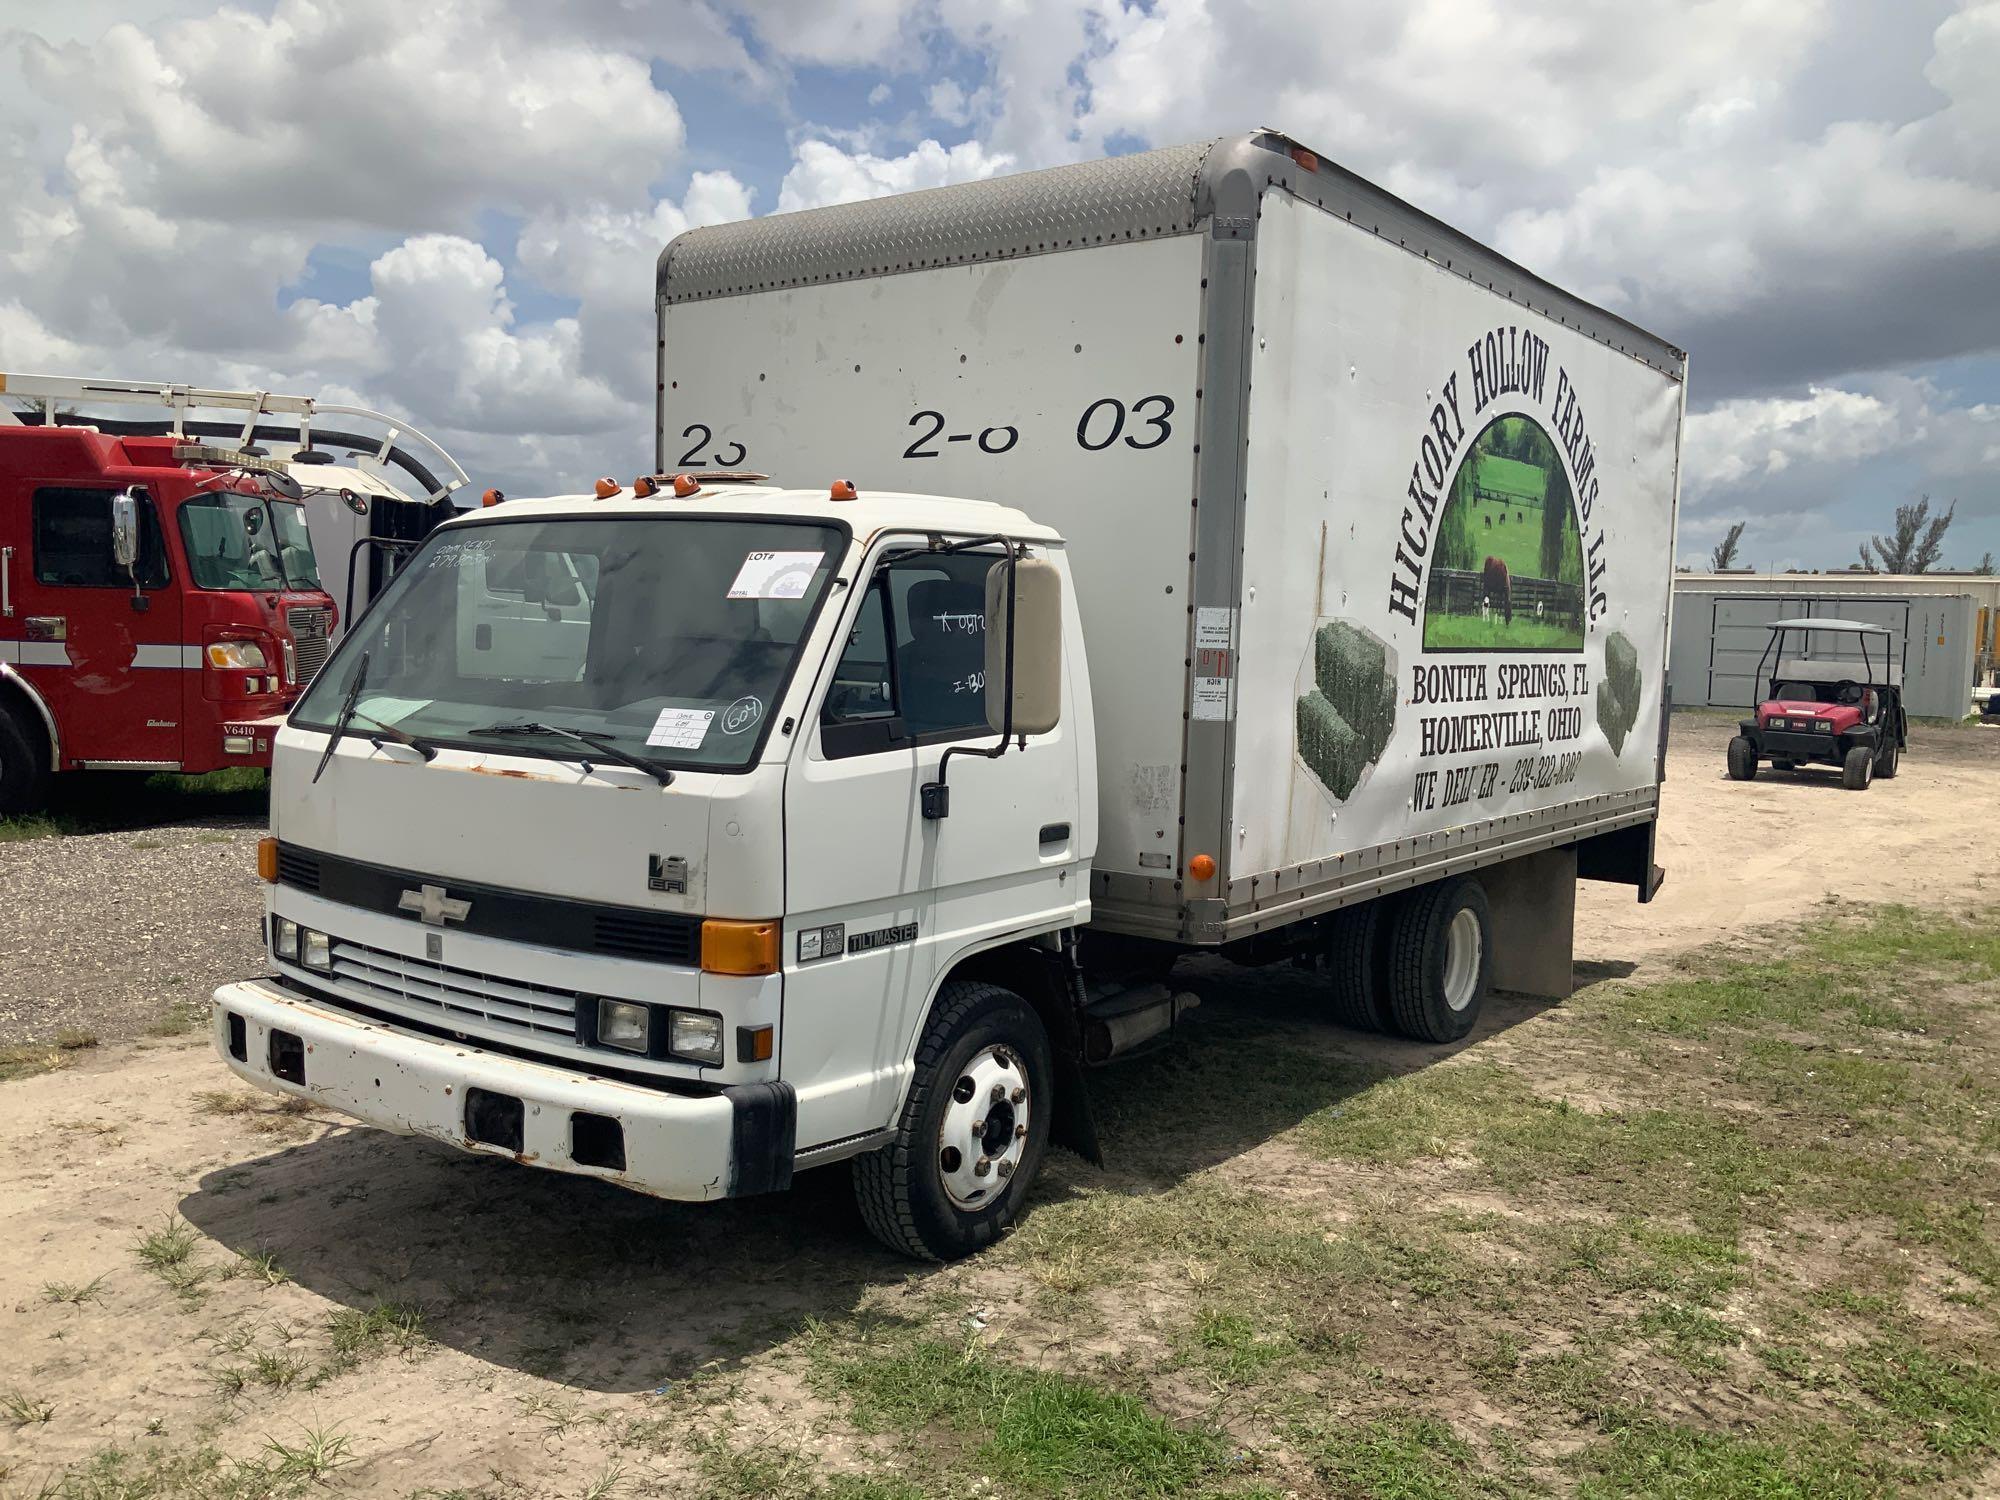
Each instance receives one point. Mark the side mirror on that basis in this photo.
(1036, 611)
(283, 484)
(125, 530)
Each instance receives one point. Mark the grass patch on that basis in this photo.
(25, 1060)
(24, 1410)
(1036, 1431)
(72, 1292)
(357, 1335)
(1645, 1457)
(1403, 1458)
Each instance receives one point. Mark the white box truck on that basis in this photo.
(1193, 551)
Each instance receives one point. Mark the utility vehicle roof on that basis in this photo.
(869, 513)
(1843, 627)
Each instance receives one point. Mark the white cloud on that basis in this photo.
(824, 173)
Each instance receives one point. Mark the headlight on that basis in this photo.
(285, 938)
(1824, 726)
(695, 1036)
(622, 1024)
(316, 950)
(237, 656)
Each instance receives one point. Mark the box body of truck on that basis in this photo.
(1372, 530)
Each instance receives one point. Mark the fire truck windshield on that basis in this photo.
(237, 541)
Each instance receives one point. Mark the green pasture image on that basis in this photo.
(1507, 546)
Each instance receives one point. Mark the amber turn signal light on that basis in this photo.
(742, 948)
(267, 860)
(755, 1043)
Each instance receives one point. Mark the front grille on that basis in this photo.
(298, 869)
(442, 993)
(659, 937)
(310, 629)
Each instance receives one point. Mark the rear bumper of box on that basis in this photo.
(730, 1143)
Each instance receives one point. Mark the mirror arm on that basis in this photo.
(937, 794)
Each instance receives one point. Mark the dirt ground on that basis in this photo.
(470, 1327)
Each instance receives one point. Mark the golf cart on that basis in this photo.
(1829, 710)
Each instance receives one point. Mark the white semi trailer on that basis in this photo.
(1339, 552)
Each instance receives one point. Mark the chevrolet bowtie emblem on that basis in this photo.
(434, 906)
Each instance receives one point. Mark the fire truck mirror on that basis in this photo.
(285, 485)
(125, 530)
(253, 521)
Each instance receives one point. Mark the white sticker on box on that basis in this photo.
(681, 728)
(776, 575)
(1213, 628)
(1211, 698)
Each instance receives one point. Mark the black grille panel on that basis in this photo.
(517, 916)
(298, 869)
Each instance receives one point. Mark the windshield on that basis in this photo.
(672, 638)
(239, 541)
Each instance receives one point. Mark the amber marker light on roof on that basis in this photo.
(685, 485)
(606, 488)
(843, 489)
(645, 487)
(491, 497)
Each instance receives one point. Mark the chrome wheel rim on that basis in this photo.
(1463, 945)
(984, 1133)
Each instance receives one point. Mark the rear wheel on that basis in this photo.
(1858, 769)
(24, 768)
(1742, 759)
(1439, 961)
(1887, 763)
(1352, 942)
(972, 1132)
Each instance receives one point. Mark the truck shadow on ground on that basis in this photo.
(117, 802)
(602, 1289)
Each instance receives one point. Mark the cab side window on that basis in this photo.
(914, 670)
(73, 542)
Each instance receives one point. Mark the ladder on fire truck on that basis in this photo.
(391, 447)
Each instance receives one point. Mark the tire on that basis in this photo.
(1440, 960)
(1889, 761)
(24, 768)
(1742, 760)
(1858, 769)
(912, 1196)
(1354, 995)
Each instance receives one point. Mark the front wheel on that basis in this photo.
(24, 769)
(1888, 762)
(972, 1132)
(1858, 769)
(1742, 760)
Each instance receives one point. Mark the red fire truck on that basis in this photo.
(161, 602)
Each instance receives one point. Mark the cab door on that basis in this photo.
(106, 657)
(880, 900)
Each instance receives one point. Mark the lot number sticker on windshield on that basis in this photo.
(681, 728)
(775, 575)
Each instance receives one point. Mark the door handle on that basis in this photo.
(1054, 833)
(7, 582)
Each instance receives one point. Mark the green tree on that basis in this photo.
(1723, 558)
(1916, 543)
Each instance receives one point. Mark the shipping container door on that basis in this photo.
(1739, 632)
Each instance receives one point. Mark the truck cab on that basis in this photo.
(561, 845)
(160, 608)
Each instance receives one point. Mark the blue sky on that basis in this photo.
(451, 211)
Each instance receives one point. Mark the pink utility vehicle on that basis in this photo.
(1833, 708)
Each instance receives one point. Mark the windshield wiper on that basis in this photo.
(596, 742)
(397, 736)
(346, 714)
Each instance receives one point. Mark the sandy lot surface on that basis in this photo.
(557, 1313)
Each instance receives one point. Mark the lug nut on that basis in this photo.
(999, 1092)
(1018, 1095)
(981, 1167)
(1020, 1132)
(979, 1127)
(1006, 1169)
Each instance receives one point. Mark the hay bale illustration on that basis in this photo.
(1346, 720)
(1618, 694)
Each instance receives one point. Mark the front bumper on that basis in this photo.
(728, 1144)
